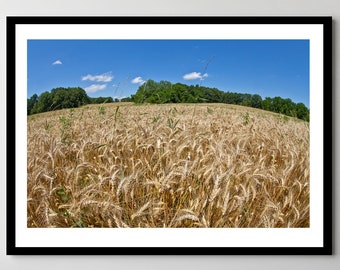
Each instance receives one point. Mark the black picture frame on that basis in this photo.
(13, 22)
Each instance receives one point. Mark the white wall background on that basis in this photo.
(169, 7)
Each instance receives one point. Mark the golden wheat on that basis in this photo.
(184, 165)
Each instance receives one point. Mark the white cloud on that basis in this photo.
(105, 77)
(95, 88)
(138, 80)
(195, 75)
(58, 62)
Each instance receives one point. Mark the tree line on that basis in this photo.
(62, 98)
(165, 92)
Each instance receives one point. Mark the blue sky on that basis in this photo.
(117, 68)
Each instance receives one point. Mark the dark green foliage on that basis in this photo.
(62, 98)
(126, 99)
(256, 101)
(166, 92)
(286, 107)
(101, 100)
(69, 97)
(302, 112)
(43, 104)
(31, 102)
(58, 98)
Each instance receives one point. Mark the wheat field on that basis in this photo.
(171, 165)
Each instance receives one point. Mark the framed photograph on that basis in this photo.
(169, 135)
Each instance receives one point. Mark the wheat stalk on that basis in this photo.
(199, 169)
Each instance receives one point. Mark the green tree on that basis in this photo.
(101, 100)
(127, 99)
(302, 112)
(58, 98)
(256, 101)
(212, 95)
(31, 102)
(165, 92)
(246, 100)
(71, 97)
(267, 104)
(43, 104)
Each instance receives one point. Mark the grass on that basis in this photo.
(172, 165)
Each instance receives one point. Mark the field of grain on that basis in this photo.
(170, 165)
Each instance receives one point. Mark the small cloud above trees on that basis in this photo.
(57, 62)
(138, 80)
(95, 88)
(105, 77)
(195, 76)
